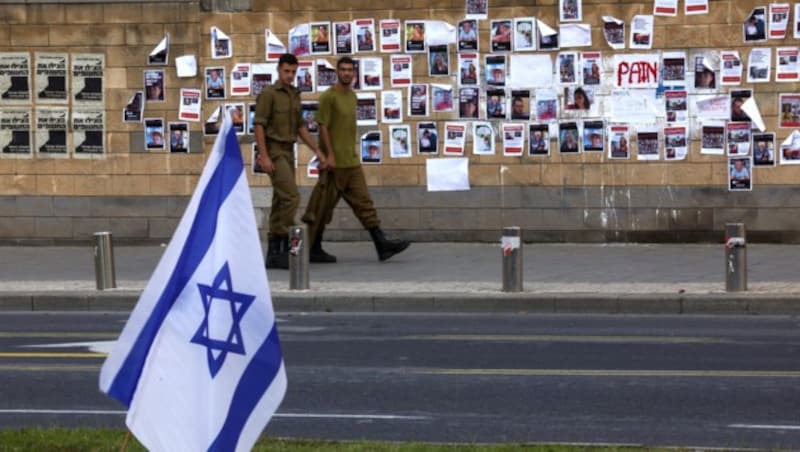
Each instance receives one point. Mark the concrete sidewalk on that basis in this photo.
(630, 278)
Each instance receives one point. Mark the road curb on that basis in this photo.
(525, 302)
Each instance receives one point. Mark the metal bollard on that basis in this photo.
(104, 261)
(298, 258)
(735, 258)
(512, 259)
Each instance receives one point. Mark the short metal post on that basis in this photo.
(104, 261)
(512, 259)
(735, 258)
(298, 258)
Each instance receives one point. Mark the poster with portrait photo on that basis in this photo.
(154, 134)
(134, 109)
(87, 78)
(738, 135)
(418, 99)
(263, 75)
(705, 76)
(501, 35)
(675, 142)
(468, 35)
(641, 32)
(213, 122)
(179, 137)
(778, 20)
(442, 97)
(236, 111)
(483, 138)
(495, 70)
(619, 138)
(548, 36)
(740, 174)
(614, 32)
(343, 37)
(538, 139)
(191, 105)
(438, 60)
(15, 132)
(731, 68)
(524, 34)
(365, 35)
(356, 83)
(738, 98)
(88, 132)
(251, 117)
(759, 65)
(647, 144)
(221, 44)
(754, 27)
(568, 73)
(674, 64)
(455, 136)
(546, 105)
(240, 79)
(513, 139)
(372, 147)
(468, 63)
(790, 149)
(371, 73)
(468, 101)
(391, 106)
(712, 138)
(51, 77)
(400, 141)
(366, 109)
(427, 138)
(309, 110)
(50, 135)
(796, 21)
(764, 149)
(415, 36)
(390, 35)
(154, 85)
(676, 105)
(591, 62)
(570, 10)
(789, 110)
(400, 70)
(215, 82)
(594, 136)
(787, 68)
(305, 78)
(299, 40)
(496, 103)
(326, 75)
(320, 38)
(568, 139)
(578, 98)
(520, 105)
(273, 47)
(477, 9)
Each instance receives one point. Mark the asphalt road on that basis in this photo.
(698, 381)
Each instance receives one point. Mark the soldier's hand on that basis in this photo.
(265, 163)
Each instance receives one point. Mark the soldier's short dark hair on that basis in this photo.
(288, 58)
(345, 60)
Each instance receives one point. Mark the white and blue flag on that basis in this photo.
(199, 363)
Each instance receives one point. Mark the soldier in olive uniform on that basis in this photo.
(278, 122)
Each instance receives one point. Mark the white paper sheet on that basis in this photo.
(520, 74)
(186, 66)
(575, 35)
(447, 174)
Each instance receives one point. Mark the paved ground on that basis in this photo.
(446, 276)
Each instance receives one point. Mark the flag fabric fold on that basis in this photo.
(199, 362)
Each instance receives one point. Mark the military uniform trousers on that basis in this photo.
(347, 183)
(285, 197)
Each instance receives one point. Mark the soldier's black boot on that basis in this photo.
(278, 253)
(318, 255)
(386, 248)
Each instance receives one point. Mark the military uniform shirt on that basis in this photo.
(282, 120)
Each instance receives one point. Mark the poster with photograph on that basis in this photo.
(15, 132)
(191, 105)
(647, 144)
(674, 67)
(731, 70)
(546, 105)
(790, 149)
(237, 114)
(88, 132)
(273, 47)
(513, 139)
(787, 69)
(591, 63)
(614, 32)
(495, 70)
(366, 109)
(500, 35)
(51, 77)
(215, 82)
(568, 68)
(305, 79)
(371, 73)
(418, 99)
(251, 117)
(134, 109)
(538, 139)
(468, 100)
(796, 21)
(764, 149)
(594, 136)
(356, 83)
(738, 98)
(160, 53)
(619, 137)
(712, 138)
(372, 147)
(392, 106)
(740, 174)
(694, 7)
(263, 75)
(789, 110)
(641, 32)
(400, 141)
(667, 8)
(548, 36)
(759, 65)
(309, 110)
(520, 104)
(415, 36)
(400, 70)
(738, 135)
(240, 79)
(496, 103)
(482, 138)
(676, 105)
(578, 98)
(755, 26)
(254, 167)
(675, 142)
(568, 141)
(87, 78)
(343, 37)
(468, 35)
(365, 35)
(179, 137)
(154, 85)
(320, 38)
(570, 10)
(778, 20)
(477, 9)
(326, 75)
(438, 61)
(705, 76)
(299, 40)
(427, 138)
(50, 136)
(468, 63)
(221, 44)
(390, 35)
(442, 96)
(213, 122)
(455, 135)
(524, 34)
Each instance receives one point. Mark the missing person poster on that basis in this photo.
(299, 37)
(500, 38)
(738, 134)
(134, 109)
(51, 77)
(343, 37)
(676, 105)
(538, 139)
(372, 147)
(418, 100)
(320, 38)
(415, 36)
(15, 132)
(221, 44)
(468, 64)
(675, 142)
(400, 70)
(619, 137)
(442, 97)
(154, 134)
(154, 85)
(366, 109)
(764, 149)
(15, 72)
(593, 136)
(731, 67)
(513, 139)
(400, 141)
(372, 73)
(482, 138)
(309, 111)
(740, 174)
(712, 138)
(191, 105)
(179, 137)
(50, 134)
(427, 138)
(263, 75)
(392, 106)
(468, 35)
(88, 132)
(326, 75)
(87, 78)
(365, 35)
(390, 35)
(647, 144)
(240, 80)
(455, 134)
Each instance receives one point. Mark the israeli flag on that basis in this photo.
(199, 363)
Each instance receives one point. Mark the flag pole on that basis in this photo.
(127, 440)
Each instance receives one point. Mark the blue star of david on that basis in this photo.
(222, 291)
